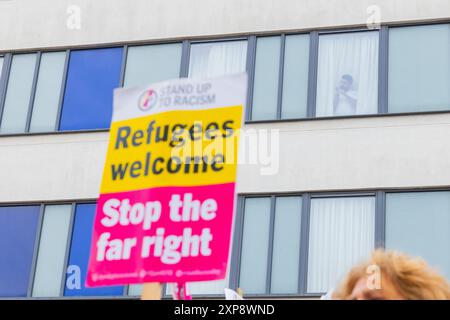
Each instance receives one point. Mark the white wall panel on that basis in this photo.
(51, 167)
(31, 24)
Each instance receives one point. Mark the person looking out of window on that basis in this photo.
(344, 102)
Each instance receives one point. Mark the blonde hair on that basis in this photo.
(412, 277)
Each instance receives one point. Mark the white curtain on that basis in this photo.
(208, 60)
(341, 234)
(354, 54)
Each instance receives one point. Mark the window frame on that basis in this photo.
(6, 73)
(35, 246)
(383, 55)
(386, 83)
(4, 76)
(61, 296)
(58, 129)
(236, 244)
(251, 67)
(379, 232)
(251, 38)
(334, 196)
(4, 79)
(307, 197)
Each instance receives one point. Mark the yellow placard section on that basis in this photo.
(174, 148)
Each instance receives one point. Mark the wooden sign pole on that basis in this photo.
(151, 291)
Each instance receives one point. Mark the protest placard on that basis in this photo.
(167, 196)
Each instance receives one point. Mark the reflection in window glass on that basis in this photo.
(48, 90)
(91, 78)
(153, 63)
(341, 233)
(80, 248)
(418, 223)
(52, 251)
(213, 59)
(18, 93)
(295, 76)
(18, 226)
(255, 245)
(265, 89)
(347, 78)
(286, 245)
(419, 68)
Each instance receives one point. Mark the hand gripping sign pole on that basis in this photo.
(152, 291)
(167, 196)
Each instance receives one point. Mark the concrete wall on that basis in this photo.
(43, 23)
(345, 154)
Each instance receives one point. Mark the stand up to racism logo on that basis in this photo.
(147, 100)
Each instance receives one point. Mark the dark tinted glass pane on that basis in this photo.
(88, 97)
(18, 227)
(79, 256)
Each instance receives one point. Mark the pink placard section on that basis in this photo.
(163, 234)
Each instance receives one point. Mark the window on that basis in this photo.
(271, 245)
(203, 288)
(92, 76)
(135, 290)
(2, 82)
(347, 76)
(215, 287)
(341, 233)
(76, 92)
(52, 251)
(419, 68)
(48, 91)
(153, 63)
(418, 223)
(288, 99)
(21, 103)
(286, 245)
(1, 68)
(79, 256)
(265, 87)
(255, 245)
(213, 59)
(289, 244)
(17, 101)
(18, 227)
(295, 76)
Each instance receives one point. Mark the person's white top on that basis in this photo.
(344, 106)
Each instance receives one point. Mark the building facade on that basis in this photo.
(352, 98)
